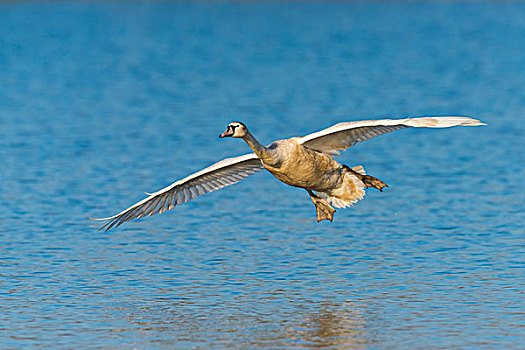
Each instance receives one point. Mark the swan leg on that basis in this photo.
(323, 208)
(368, 180)
(374, 182)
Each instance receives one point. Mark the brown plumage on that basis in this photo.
(306, 162)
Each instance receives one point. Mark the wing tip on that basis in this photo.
(468, 121)
(98, 219)
(101, 224)
(443, 121)
(475, 122)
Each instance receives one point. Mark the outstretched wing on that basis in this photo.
(224, 173)
(343, 135)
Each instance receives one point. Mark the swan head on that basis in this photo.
(235, 129)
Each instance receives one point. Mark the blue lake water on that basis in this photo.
(101, 102)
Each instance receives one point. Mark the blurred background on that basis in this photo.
(103, 101)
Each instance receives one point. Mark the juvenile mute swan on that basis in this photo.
(306, 162)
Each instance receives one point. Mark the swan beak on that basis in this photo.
(227, 133)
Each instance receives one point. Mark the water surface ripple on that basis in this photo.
(100, 102)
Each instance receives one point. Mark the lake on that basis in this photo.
(103, 101)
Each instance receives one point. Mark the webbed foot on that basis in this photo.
(367, 180)
(374, 182)
(323, 208)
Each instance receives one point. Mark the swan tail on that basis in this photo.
(351, 191)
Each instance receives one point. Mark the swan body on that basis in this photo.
(305, 162)
(299, 166)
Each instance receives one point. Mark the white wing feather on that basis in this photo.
(344, 135)
(227, 172)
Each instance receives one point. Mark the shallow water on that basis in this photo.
(100, 102)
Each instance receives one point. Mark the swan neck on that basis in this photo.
(264, 153)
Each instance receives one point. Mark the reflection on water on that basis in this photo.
(102, 101)
(333, 326)
(324, 325)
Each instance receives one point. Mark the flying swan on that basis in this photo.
(306, 162)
